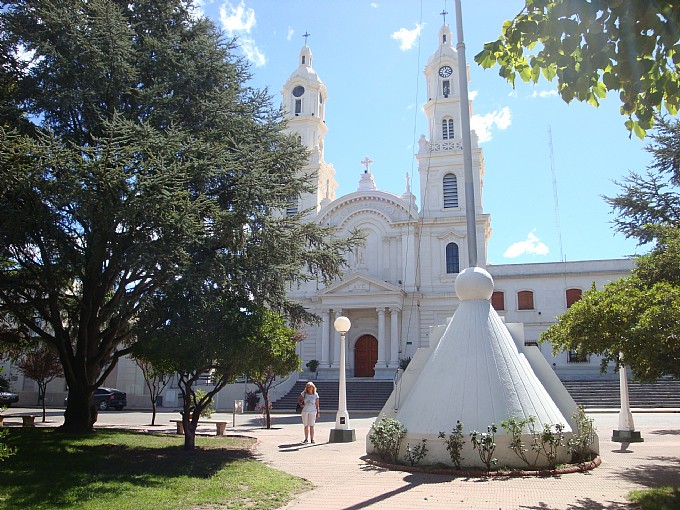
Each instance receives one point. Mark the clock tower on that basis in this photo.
(440, 159)
(304, 103)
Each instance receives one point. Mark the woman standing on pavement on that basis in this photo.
(310, 410)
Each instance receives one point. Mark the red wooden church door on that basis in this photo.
(365, 356)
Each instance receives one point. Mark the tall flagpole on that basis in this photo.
(467, 143)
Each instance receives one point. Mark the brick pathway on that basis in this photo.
(344, 481)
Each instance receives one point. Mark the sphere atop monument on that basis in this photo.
(474, 283)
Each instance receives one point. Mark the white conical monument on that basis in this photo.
(477, 376)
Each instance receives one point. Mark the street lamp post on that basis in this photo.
(342, 433)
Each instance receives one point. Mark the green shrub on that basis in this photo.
(582, 439)
(548, 442)
(454, 443)
(386, 436)
(515, 427)
(417, 452)
(485, 444)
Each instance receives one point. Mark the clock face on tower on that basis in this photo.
(445, 71)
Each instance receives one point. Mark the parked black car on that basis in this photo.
(7, 397)
(107, 398)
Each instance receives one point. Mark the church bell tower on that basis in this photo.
(304, 104)
(440, 154)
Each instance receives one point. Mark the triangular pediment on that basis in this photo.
(361, 284)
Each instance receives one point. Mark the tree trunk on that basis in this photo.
(190, 422)
(153, 412)
(80, 414)
(42, 389)
(265, 395)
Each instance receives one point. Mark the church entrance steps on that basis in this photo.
(362, 395)
(605, 394)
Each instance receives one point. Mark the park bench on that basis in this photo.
(27, 420)
(220, 425)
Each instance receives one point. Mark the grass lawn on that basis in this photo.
(660, 498)
(121, 470)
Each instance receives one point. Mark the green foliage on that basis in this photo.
(593, 47)
(252, 397)
(516, 429)
(198, 397)
(548, 441)
(485, 444)
(417, 452)
(386, 436)
(582, 439)
(312, 365)
(104, 471)
(636, 320)
(142, 179)
(5, 450)
(651, 201)
(658, 498)
(403, 362)
(454, 443)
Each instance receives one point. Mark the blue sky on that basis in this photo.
(370, 55)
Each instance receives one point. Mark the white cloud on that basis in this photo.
(374, 5)
(544, 93)
(238, 18)
(472, 95)
(407, 38)
(252, 52)
(483, 124)
(532, 245)
(289, 35)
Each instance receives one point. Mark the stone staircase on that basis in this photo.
(605, 394)
(362, 395)
(371, 395)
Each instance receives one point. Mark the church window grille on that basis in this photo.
(452, 259)
(573, 295)
(303, 60)
(525, 300)
(447, 129)
(450, 191)
(446, 88)
(498, 300)
(292, 209)
(298, 106)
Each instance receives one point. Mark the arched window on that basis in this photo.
(447, 129)
(498, 300)
(450, 191)
(452, 260)
(525, 300)
(573, 295)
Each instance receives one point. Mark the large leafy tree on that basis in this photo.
(272, 354)
(593, 47)
(636, 320)
(131, 151)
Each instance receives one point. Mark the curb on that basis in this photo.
(575, 468)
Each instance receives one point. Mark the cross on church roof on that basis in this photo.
(367, 162)
(306, 35)
(444, 13)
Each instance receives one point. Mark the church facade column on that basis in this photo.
(395, 339)
(381, 337)
(325, 338)
(336, 340)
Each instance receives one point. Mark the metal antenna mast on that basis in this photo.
(555, 197)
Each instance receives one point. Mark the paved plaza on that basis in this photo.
(344, 481)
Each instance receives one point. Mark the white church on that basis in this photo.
(401, 283)
(399, 287)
